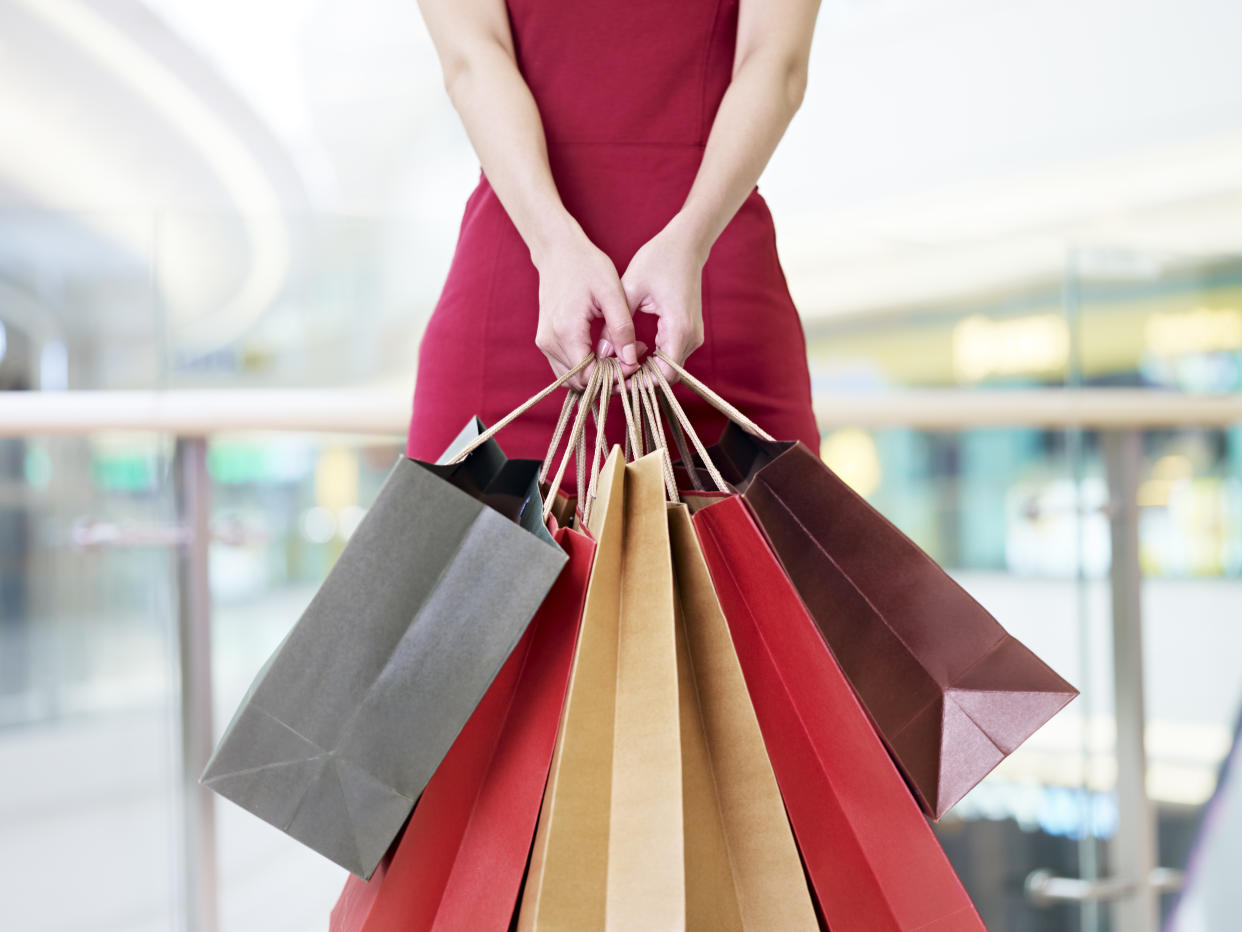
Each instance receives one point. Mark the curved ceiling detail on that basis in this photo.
(111, 121)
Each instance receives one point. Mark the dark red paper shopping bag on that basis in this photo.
(971, 692)
(460, 860)
(871, 856)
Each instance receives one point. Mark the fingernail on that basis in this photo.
(630, 354)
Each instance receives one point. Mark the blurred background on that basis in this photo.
(977, 198)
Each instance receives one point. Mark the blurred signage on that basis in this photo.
(983, 346)
(1199, 330)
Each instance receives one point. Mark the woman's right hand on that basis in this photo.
(577, 285)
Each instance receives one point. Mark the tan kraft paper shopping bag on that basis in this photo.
(742, 866)
(608, 852)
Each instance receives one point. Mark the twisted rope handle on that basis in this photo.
(689, 429)
(571, 399)
(613, 373)
(521, 409)
(640, 444)
(647, 393)
(679, 439)
(732, 413)
(642, 405)
(632, 430)
(576, 443)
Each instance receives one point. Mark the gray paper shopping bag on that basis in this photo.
(350, 717)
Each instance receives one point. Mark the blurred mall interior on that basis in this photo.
(977, 198)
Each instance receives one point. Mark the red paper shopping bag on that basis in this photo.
(871, 856)
(460, 860)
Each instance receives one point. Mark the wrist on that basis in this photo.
(691, 237)
(556, 236)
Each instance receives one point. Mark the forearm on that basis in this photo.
(501, 118)
(756, 110)
(769, 79)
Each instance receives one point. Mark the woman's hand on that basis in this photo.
(578, 284)
(665, 278)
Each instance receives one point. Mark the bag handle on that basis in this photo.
(597, 400)
(603, 403)
(520, 410)
(599, 411)
(577, 443)
(680, 414)
(649, 425)
(650, 395)
(632, 429)
(679, 438)
(571, 399)
(660, 441)
(728, 410)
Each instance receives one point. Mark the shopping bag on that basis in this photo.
(349, 718)
(608, 850)
(971, 693)
(742, 866)
(870, 854)
(459, 862)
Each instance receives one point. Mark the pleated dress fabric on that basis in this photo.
(627, 93)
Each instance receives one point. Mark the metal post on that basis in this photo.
(194, 648)
(1133, 848)
(1088, 850)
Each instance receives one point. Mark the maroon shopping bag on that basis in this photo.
(873, 861)
(459, 862)
(950, 691)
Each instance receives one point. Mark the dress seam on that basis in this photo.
(707, 58)
(487, 324)
(705, 301)
(704, 130)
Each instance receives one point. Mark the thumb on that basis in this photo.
(619, 323)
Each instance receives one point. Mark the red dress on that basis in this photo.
(627, 93)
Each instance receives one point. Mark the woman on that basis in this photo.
(617, 210)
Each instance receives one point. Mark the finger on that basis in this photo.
(557, 359)
(579, 381)
(605, 348)
(573, 345)
(618, 323)
(559, 369)
(626, 369)
(669, 373)
(677, 346)
(552, 347)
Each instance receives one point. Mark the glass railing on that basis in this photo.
(1024, 514)
(89, 695)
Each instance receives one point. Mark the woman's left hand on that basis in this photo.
(665, 278)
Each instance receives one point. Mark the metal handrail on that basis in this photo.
(1044, 888)
(197, 412)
